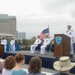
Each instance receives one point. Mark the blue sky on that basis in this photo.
(35, 15)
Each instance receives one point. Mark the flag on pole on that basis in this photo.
(44, 33)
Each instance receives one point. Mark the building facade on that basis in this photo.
(7, 25)
(21, 35)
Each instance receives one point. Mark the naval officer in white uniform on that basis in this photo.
(12, 44)
(70, 34)
(37, 41)
(4, 42)
(44, 45)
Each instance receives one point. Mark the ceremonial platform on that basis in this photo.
(47, 59)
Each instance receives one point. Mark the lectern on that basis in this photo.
(1, 50)
(61, 45)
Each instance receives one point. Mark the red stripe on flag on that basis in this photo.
(43, 36)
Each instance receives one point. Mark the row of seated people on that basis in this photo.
(13, 66)
(42, 45)
(50, 47)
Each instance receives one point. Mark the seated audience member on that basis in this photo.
(9, 64)
(20, 60)
(45, 44)
(36, 43)
(34, 67)
(63, 66)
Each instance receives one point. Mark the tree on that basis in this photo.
(33, 38)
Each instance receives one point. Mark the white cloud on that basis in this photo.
(20, 7)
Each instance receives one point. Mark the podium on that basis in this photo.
(1, 50)
(61, 45)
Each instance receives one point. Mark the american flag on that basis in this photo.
(44, 33)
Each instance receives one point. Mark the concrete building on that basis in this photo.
(7, 25)
(21, 35)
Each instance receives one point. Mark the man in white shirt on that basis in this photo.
(12, 44)
(70, 34)
(37, 41)
(4, 42)
(45, 44)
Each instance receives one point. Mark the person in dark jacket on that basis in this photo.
(35, 65)
(63, 66)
